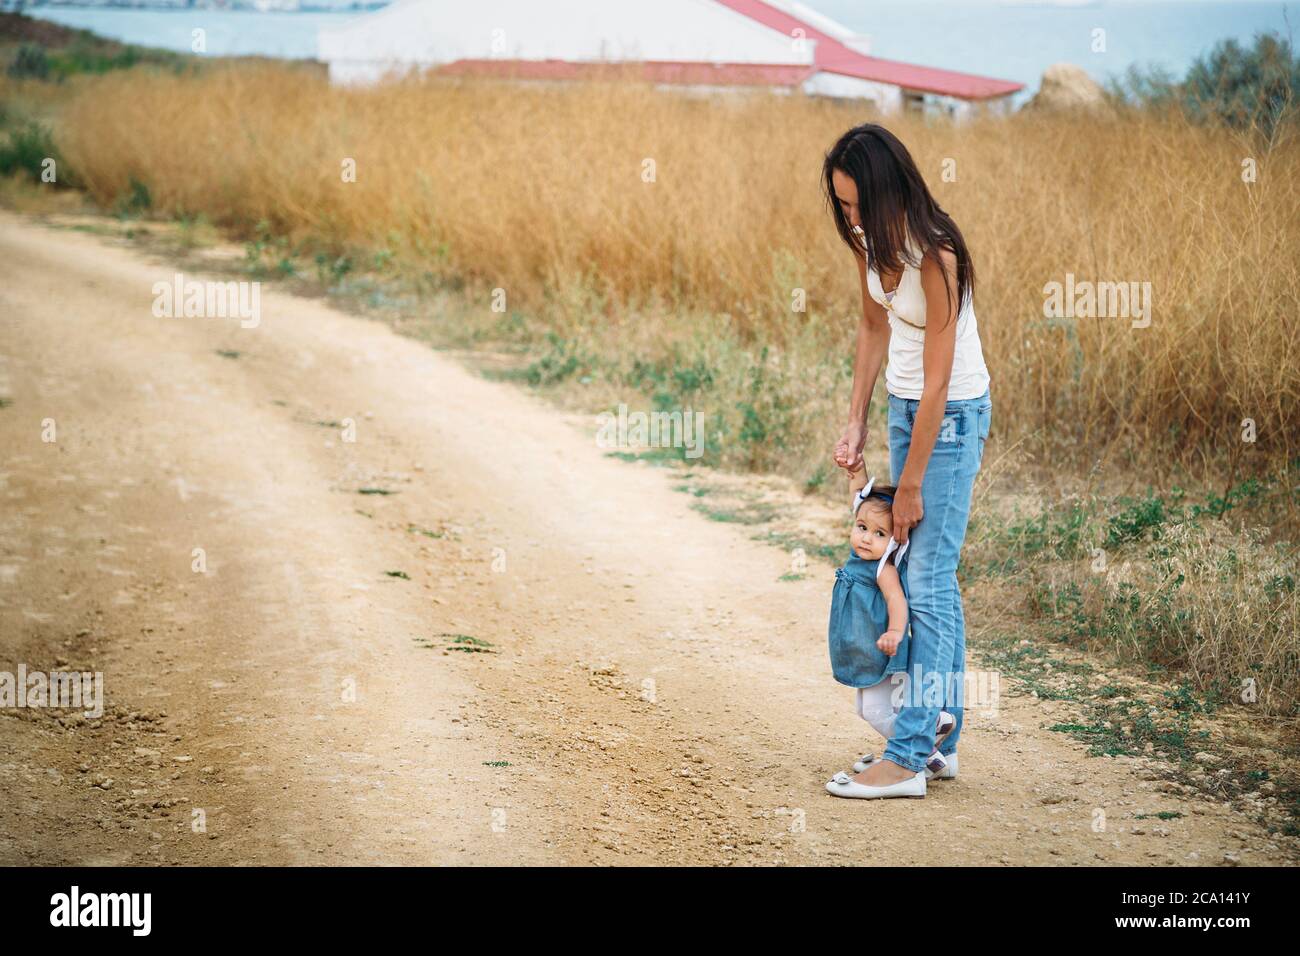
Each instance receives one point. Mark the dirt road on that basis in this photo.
(526, 652)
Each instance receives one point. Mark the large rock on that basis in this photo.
(1068, 87)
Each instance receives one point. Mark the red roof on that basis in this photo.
(832, 56)
(829, 56)
(654, 71)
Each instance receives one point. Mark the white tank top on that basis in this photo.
(904, 370)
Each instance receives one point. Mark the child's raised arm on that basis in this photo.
(892, 588)
(857, 481)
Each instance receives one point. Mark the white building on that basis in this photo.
(696, 43)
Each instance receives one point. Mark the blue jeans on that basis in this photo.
(938, 663)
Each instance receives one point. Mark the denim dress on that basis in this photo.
(859, 615)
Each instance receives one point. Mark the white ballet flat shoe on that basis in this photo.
(843, 785)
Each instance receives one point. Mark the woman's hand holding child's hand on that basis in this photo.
(848, 450)
(889, 641)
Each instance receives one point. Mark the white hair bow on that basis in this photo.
(889, 549)
(861, 496)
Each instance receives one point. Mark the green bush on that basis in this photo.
(1243, 87)
(90, 57)
(136, 201)
(30, 63)
(564, 359)
(26, 149)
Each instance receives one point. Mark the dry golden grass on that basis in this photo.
(1207, 600)
(31, 97)
(540, 191)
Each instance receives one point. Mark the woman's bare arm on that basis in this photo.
(872, 346)
(936, 361)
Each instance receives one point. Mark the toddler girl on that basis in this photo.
(868, 633)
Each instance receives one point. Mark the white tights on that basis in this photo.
(879, 705)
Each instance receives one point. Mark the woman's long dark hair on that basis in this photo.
(891, 191)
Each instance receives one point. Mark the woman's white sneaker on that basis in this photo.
(946, 725)
(947, 772)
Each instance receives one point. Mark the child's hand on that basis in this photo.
(848, 450)
(889, 642)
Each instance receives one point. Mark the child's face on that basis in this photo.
(872, 529)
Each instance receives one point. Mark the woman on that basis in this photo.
(917, 309)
